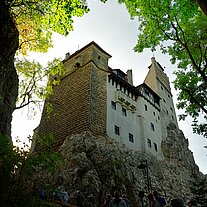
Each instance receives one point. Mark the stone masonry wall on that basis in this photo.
(98, 103)
(70, 106)
(79, 102)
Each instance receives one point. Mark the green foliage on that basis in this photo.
(36, 20)
(22, 174)
(36, 81)
(179, 29)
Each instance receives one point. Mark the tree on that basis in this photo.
(28, 26)
(22, 174)
(179, 29)
(203, 5)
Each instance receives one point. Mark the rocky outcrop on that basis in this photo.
(96, 164)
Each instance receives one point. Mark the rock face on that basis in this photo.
(96, 165)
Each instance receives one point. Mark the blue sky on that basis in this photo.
(110, 26)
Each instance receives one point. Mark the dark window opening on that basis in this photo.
(155, 146)
(149, 143)
(113, 105)
(145, 106)
(117, 130)
(146, 92)
(131, 137)
(152, 126)
(124, 111)
(156, 100)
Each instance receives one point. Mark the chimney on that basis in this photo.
(129, 76)
(153, 60)
(67, 55)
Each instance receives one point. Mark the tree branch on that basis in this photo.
(201, 55)
(185, 45)
(205, 59)
(193, 100)
(27, 90)
(24, 42)
(26, 104)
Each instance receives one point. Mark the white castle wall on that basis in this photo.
(137, 122)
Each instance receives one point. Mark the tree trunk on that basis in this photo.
(9, 41)
(203, 5)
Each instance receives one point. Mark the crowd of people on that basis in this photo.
(61, 195)
(154, 200)
(117, 200)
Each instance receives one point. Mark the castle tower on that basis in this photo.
(79, 101)
(158, 81)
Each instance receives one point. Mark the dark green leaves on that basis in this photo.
(179, 29)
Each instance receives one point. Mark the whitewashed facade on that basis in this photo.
(138, 116)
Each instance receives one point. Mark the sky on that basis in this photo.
(110, 26)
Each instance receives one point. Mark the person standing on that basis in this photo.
(80, 200)
(192, 203)
(117, 201)
(159, 198)
(177, 202)
(60, 193)
(124, 197)
(152, 201)
(107, 200)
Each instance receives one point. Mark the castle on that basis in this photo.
(93, 97)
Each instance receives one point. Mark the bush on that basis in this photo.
(22, 174)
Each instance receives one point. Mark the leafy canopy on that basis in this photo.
(32, 80)
(36, 20)
(179, 29)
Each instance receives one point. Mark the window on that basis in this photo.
(167, 112)
(113, 105)
(155, 146)
(99, 57)
(145, 106)
(152, 126)
(146, 92)
(157, 101)
(153, 113)
(164, 100)
(158, 118)
(131, 137)
(124, 111)
(117, 130)
(171, 108)
(149, 143)
(161, 87)
(172, 118)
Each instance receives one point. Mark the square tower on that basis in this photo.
(79, 101)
